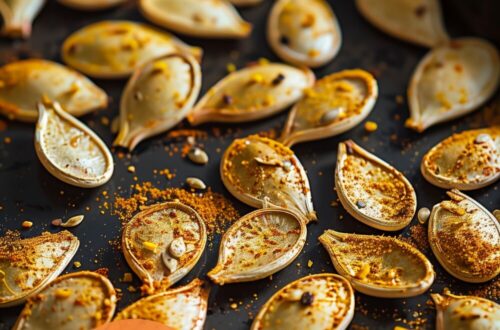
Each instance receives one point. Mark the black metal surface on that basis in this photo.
(27, 191)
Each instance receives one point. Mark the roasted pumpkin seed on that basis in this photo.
(319, 302)
(465, 312)
(255, 183)
(252, 93)
(69, 150)
(113, 49)
(196, 183)
(199, 18)
(25, 83)
(82, 300)
(304, 32)
(467, 160)
(147, 243)
(335, 104)
(18, 15)
(198, 156)
(419, 21)
(451, 81)
(28, 265)
(465, 238)
(183, 308)
(157, 97)
(379, 266)
(259, 244)
(389, 200)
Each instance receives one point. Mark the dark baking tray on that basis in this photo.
(27, 191)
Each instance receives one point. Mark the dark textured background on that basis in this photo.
(27, 191)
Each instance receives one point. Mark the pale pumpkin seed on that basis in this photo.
(199, 18)
(419, 21)
(147, 243)
(304, 32)
(467, 160)
(169, 86)
(28, 265)
(113, 49)
(182, 308)
(259, 244)
(379, 266)
(451, 81)
(69, 150)
(423, 215)
(198, 156)
(196, 183)
(73, 221)
(18, 16)
(252, 93)
(25, 83)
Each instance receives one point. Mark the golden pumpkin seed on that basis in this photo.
(259, 244)
(168, 86)
(206, 19)
(304, 32)
(255, 183)
(73, 221)
(25, 83)
(451, 81)
(196, 183)
(326, 302)
(69, 150)
(28, 265)
(147, 243)
(18, 15)
(467, 160)
(183, 308)
(373, 191)
(465, 237)
(419, 22)
(81, 300)
(113, 49)
(465, 312)
(379, 266)
(334, 105)
(252, 93)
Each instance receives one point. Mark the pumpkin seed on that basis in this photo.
(467, 160)
(465, 312)
(256, 183)
(196, 183)
(215, 18)
(253, 94)
(304, 32)
(168, 86)
(91, 4)
(60, 305)
(69, 150)
(18, 16)
(28, 265)
(334, 105)
(182, 308)
(419, 22)
(326, 302)
(379, 266)
(461, 230)
(423, 215)
(27, 82)
(389, 199)
(450, 82)
(259, 244)
(198, 156)
(72, 222)
(113, 49)
(163, 225)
